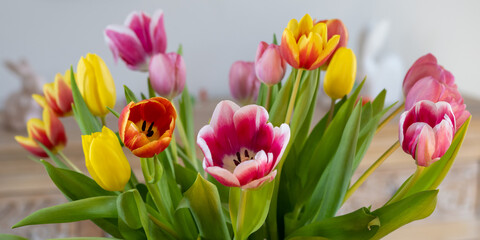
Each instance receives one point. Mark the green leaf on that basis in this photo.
(360, 224)
(434, 174)
(89, 208)
(185, 177)
(87, 123)
(249, 208)
(115, 113)
(84, 238)
(129, 95)
(187, 117)
(279, 107)
(203, 200)
(330, 190)
(74, 185)
(11, 237)
(417, 206)
(274, 39)
(151, 91)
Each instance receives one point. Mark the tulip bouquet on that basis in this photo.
(267, 170)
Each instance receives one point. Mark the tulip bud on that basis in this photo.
(244, 84)
(96, 84)
(49, 132)
(340, 74)
(105, 160)
(167, 74)
(58, 95)
(270, 67)
(146, 127)
(426, 131)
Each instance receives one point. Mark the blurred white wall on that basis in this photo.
(53, 34)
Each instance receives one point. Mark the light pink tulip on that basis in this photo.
(270, 67)
(241, 149)
(426, 80)
(244, 84)
(167, 74)
(426, 131)
(139, 39)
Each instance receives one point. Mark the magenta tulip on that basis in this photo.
(426, 80)
(139, 39)
(241, 149)
(270, 67)
(244, 84)
(167, 74)
(426, 131)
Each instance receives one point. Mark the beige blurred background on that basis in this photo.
(53, 34)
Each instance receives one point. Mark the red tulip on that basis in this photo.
(146, 127)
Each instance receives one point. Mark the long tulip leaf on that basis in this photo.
(204, 202)
(11, 237)
(129, 95)
(415, 207)
(279, 110)
(357, 225)
(89, 208)
(87, 123)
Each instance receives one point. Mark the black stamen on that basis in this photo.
(149, 131)
(246, 153)
(238, 156)
(144, 125)
(150, 128)
(236, 162)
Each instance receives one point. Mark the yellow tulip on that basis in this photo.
(340, 74)
(96, 84)
(105, 160)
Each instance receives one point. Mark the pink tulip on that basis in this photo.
(426, 131)
(167, 74)
(139, 39)
(241, 149)
(426, 80)
(270, 67)
(244, 84)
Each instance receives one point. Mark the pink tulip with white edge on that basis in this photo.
(241, 148)
(426, 131)
(138, 39)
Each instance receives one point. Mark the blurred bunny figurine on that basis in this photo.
(382, 70)
(20, 106)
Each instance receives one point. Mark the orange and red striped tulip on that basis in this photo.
(146, 127)
(305, 45)
(58, 95)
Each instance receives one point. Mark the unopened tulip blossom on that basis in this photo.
(305, 45)
(146, 127)
(241, 148)
(138, 39)
(96, 84)
(49, 131)
(167, 74)
(426, 131)
(270, 67)
(243, 82)
(427, 80)
(340, 74)
(105, 160)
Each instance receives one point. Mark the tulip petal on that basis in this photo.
(246, 171)
(289, 49)
(30, 145)
(139, 23)
(223, 176)
(247, 121)
(103, 83)
(328, 50)
(54, 128)
(209, 146)
(157, 32)
(223, 125)
(280, 142)
(124, 43)
(425, 146)
(305, 25)
(444, 132)
(418, 93)
(258, 182)
(152, 148)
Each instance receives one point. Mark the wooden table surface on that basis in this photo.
(25, 186)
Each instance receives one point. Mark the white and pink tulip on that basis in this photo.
(241, 148)
(426, 131)
(138, 39)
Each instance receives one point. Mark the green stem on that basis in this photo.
(70, 163)
(330, 112)
(410, 183)
(370, 170)
(173, 143)
(104, 122)
(242, 208)
(390, 117)
(186, 145)
(293, 96)
(269, 95)
(151, 92)
(151, 182)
